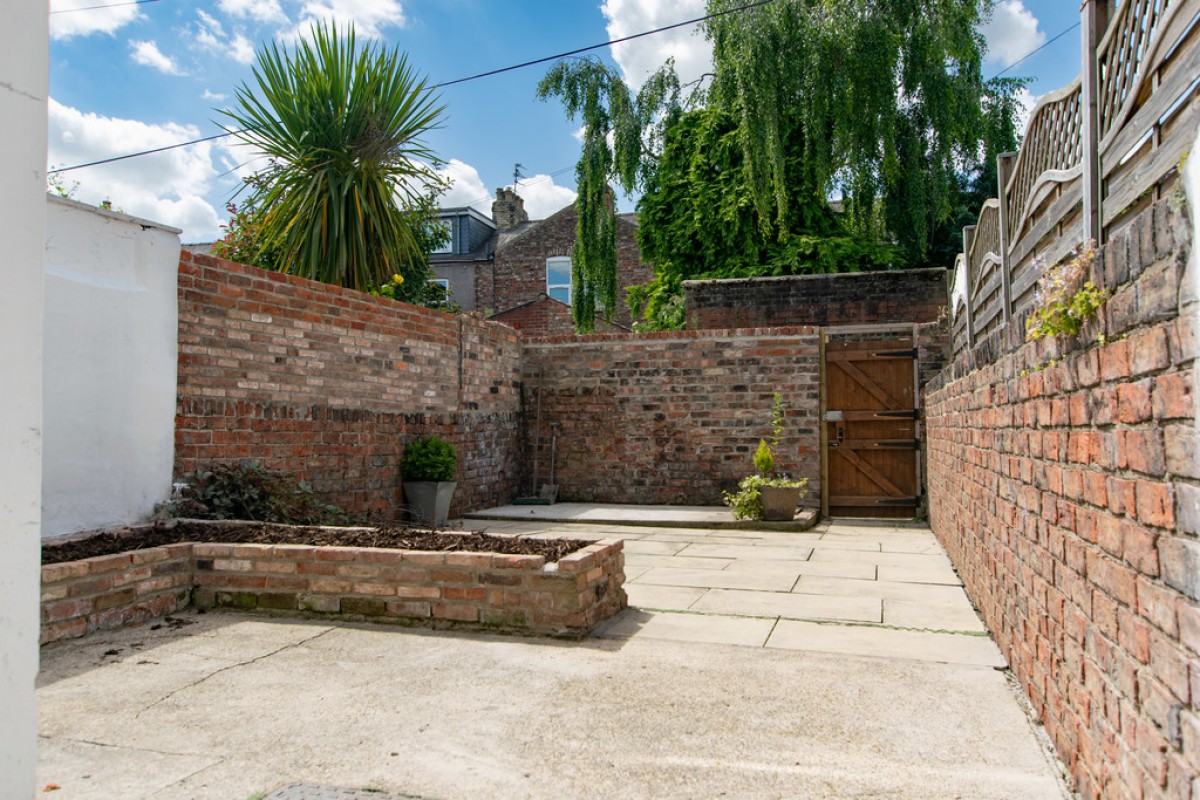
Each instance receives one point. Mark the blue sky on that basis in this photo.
(134, 77)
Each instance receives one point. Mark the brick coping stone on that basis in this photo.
(519, 594)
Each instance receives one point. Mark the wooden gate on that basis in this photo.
(871, 422)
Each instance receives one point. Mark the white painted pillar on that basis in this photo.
(24, 65)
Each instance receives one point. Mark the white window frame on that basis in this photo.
(558, 262)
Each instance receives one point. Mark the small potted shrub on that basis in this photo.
(428, 468)
(767, 494)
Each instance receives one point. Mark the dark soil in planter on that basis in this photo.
(392, 537)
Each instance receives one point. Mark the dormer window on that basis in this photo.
(558, 278)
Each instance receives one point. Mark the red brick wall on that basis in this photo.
(329, 384)
(1063, 480)
(670, 417)
(519, 269)
(546, 317)
(853, 298)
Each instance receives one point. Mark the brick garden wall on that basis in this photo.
(1063, 480)
(853, 298)
(670, 417)
(330, 384)
(437, 589)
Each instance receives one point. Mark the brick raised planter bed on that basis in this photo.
(480, 591)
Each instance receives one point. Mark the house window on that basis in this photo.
(558, 278)
(444, 285)
(448, 246)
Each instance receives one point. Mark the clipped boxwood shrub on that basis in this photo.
(432, 459)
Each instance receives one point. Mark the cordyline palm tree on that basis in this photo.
(343, 128)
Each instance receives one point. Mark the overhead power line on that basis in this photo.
(441, 85)
(97, 8)
(1036, 50)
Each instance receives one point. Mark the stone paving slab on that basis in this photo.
(758, 552)
(934, 616)
(651, 547)
(911, 560)
(926, 593)
(790, 606)
(719, 579)
(687, 627)
(662, 598)
(678, 562)
(638, 515)
(946, 648)
(933, 574)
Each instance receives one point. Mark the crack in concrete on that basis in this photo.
(166, 790)
(245, 663)
(121, 746)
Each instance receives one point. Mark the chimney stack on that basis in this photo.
(508, 210)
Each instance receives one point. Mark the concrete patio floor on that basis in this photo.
(841, 662)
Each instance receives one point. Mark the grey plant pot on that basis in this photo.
(429, 501)
(779, 502)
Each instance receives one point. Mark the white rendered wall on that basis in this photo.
(24, 60)
(111, 356)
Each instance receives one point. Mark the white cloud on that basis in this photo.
(1011, 33)
(642, 57)
(258, 10)
(210, 35)
(213, 97)
(148, 55)
(166, 187)
(368, 16)
(241, 50)
(466, 187)
(543, 196)
(83, 23)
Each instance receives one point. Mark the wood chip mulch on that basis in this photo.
(393, 537)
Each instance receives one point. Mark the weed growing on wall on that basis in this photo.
(1064, 300)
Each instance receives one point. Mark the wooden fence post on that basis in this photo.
(968, 240)
(1095, 23)
(1004, 170)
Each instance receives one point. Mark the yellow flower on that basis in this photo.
(397, 279)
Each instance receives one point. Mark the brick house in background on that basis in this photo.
(518, 270)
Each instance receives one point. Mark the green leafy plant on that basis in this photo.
(249, 491)
(1064, 300)
(56, 183)
(746, 502)
(243, 239)
(764, 459)
(343, 127)
(432, 459)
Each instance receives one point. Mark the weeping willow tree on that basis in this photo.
(884, 97)
(595, 93)
(880, 103)
(345, 197)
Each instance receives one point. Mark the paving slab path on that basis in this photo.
(841, 662)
